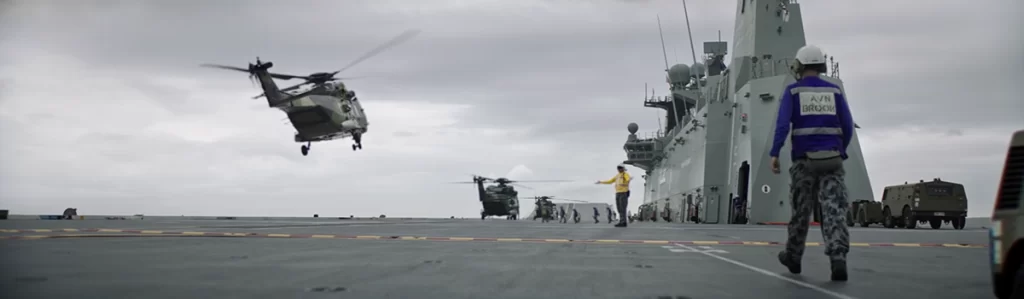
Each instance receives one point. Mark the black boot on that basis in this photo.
(621, 224)
(791, 263)
(839, 270)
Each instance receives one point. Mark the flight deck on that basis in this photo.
(165, 257)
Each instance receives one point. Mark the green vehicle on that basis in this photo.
(864, 212)
(933, 202)
(1007, 249)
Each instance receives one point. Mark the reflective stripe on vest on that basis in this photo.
(797, 90)
(817, 131)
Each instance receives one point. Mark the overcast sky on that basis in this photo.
(103, 106)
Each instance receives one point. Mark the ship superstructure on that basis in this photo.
(720, 125)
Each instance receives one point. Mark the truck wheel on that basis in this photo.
(862, 217)
(887, 220)
(936, 223)
(959, 223)
(1017, 289)
(849, 218)
(908, 218)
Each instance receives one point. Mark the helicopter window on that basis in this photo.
(346, 108)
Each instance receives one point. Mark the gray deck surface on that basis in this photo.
(261, 266)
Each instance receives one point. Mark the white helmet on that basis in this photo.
(807, 55)
(810, 54)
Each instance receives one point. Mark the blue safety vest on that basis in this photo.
(820, 116)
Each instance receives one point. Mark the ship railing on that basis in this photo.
(657, 99)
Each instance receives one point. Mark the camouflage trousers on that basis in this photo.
(829, 190)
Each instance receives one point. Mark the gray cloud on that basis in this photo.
(129, 123)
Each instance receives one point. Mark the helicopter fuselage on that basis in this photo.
(499, 200)
(324, 112)
(319, 117)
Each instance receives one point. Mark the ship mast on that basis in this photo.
(693, 53)
(664, 53)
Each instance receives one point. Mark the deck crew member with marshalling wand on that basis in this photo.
(822, 130)
(621, 181)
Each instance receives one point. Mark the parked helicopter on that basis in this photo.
(545, 209)
(327, 110)
(500, 199)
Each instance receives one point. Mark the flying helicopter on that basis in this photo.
(545, 209)
(327, 110)
(501, 198)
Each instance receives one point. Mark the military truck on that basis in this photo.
(933, 202)
(1007, 229)
(864, 212)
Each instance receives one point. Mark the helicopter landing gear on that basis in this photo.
(305, 148)
(358, 138)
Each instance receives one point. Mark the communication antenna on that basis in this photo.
(659, 124)
(693, 52)
(664, 53)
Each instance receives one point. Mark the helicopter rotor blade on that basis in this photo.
(274, 75)
(401, 38)
(482, 177)
(520, 186)
(224, 67)
(287, 77)
(540, 181)
(235, 68)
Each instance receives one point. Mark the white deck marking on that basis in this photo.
(770, 273)
(703, 249)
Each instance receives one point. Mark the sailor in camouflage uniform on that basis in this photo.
(822, 130)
